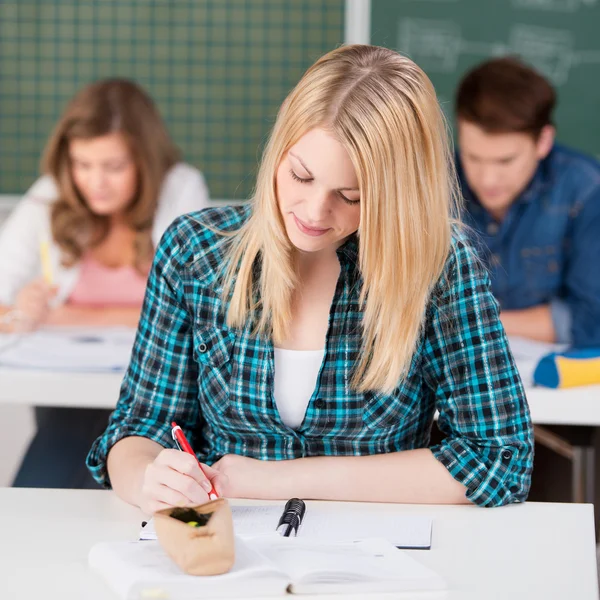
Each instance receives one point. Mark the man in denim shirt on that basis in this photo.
(533, 205)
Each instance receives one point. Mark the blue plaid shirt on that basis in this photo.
(217, 383)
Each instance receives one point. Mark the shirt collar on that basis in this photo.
(348, 251)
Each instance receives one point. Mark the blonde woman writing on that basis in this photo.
(305, 341)
(113, 183)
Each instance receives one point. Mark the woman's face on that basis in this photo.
(317, 191)
(104, 172)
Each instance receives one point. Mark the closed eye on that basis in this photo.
(347, 200)
(300, 179)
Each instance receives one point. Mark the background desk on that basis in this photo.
(45, 388)
(577, 406)
(499, 553)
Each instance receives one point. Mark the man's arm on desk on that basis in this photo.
(534, 323)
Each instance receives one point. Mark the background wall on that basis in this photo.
(558, 37)
(218, 71)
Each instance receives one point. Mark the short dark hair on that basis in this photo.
(504, 95)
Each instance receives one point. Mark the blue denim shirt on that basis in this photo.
(547, 249)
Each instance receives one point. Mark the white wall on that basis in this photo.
(16, 422)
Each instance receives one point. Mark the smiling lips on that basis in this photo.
(312, 231)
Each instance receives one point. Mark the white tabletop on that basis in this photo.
(31, 387)
(571, 406)
(532, 551)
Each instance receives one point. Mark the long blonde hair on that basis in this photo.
(103, 107)
(383, 109)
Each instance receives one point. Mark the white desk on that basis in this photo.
(577, 406)
(45, 388)
(574, 406)
(530, 551)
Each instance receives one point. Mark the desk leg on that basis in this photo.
(590, 474)
(583, 478)
(582, 459)
(578, 461)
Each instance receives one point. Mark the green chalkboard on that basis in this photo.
(218, 70)
(561, 38)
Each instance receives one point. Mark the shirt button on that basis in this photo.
(492, 228)
(320, 403)
(202, 347)
(507, 455)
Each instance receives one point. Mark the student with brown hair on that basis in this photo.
(113, 182)
(534, 204)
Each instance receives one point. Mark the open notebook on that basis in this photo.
(88, 349)
(265, 566)
(325, 523)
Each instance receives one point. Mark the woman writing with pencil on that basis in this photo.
(77, 249)
(304, 342)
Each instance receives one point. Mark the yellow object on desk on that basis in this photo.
(46, 263)
(575, 371)
(568, 369)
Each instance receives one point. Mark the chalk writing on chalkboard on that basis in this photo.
(437, 45)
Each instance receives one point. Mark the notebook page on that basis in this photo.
(349, 524)
(369, 565)
(248, 521)
(133, 569)
(69, 349)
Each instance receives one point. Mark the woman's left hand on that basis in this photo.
(243, 477)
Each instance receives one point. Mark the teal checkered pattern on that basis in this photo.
(217, 382)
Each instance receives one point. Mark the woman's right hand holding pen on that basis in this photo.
(32, 305)
(175, 478)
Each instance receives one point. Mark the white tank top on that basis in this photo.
(296, 374)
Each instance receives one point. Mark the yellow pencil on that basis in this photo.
(46, 263)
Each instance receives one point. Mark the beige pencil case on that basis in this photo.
(199, 538)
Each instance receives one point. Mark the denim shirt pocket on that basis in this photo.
(542, 266)
(213, 349)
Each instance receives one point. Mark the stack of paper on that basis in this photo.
(69, 349)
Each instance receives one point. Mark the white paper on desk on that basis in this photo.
(248, 521)
(69, 349)
(348, 524)
(528, 353)
(267, 566)
(331, 524)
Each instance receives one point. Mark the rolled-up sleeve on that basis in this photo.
(483, 411)
(160, 384)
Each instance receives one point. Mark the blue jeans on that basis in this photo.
(56, 455)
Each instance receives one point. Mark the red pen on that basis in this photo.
(184, 446)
